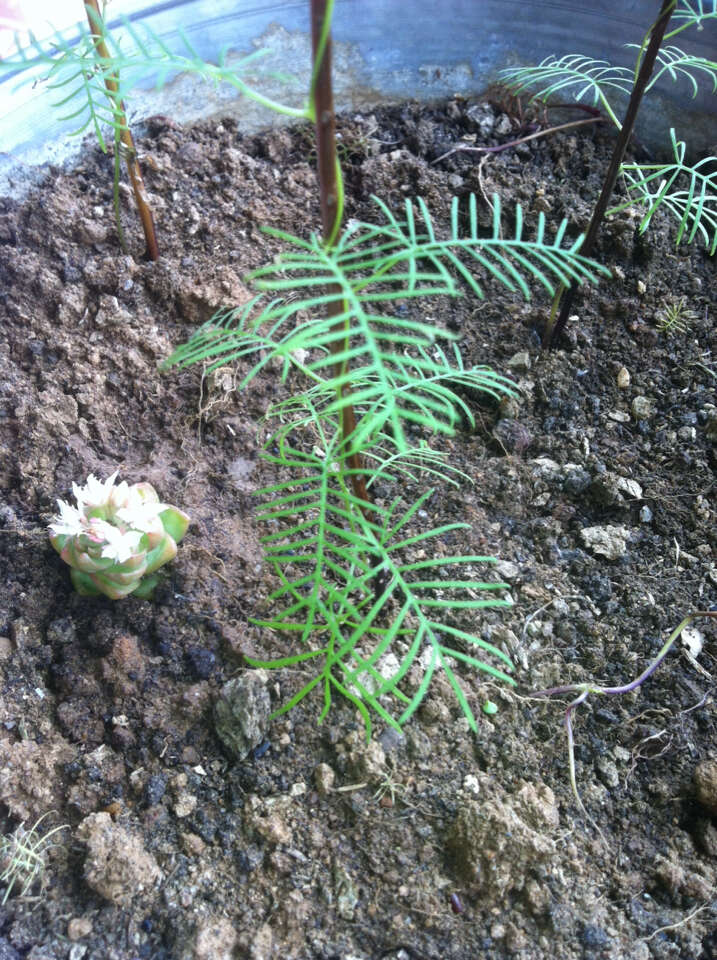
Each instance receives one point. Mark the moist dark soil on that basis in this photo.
(438, 843)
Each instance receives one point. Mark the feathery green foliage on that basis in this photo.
(363, 591)
(75, 72)
(392, 364)
(676, 64)
(693, 207)
(595, 80)
(692, 12)
(365, 587)
(675, 317)
(688, 193)
(587, 79)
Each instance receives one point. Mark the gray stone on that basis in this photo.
(480, 117)
(507, 570)
(519, 361)
(641, 408)
(608, 541)
(241, 713)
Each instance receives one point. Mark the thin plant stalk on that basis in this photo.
(583, 691)
(563, 299)
(462, 148)
(332, 203)
(125, 145)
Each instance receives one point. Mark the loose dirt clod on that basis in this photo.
(117, 866)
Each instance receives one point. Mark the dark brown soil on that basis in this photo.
(439, 844)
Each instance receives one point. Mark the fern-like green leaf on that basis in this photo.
(585, 78)
(396, 367)
(75, 71)
(676, 63)
(692, 13)
(693, 205)
(372, 591)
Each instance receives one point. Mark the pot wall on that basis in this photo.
(385, 50)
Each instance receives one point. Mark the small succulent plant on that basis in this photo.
(116, 537)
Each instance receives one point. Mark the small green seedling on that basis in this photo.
(675, 317)
(23, 857)
(583, 691)
(92, 78)
(367, 586)
(651, 186)
(116, 537)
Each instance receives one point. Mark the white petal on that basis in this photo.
(95, 493)
(120, 546)
(141, 516)
(120, 496)
(69, 522)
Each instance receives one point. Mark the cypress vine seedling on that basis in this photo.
(91, 78)
(363, 584)
(648, 185)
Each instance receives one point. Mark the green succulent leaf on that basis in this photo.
(175, 523)
(115, 537)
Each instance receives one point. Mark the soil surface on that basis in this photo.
(439, 843)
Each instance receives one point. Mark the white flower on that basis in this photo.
(95, 493)
(141, 515)
(121, 496)
(69, 522)
(118, 546)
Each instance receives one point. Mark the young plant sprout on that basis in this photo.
(649, 185)
(92, 78)
(124, 141)
(583, 691)
(364, 583)
(23, 857)
(116, 537)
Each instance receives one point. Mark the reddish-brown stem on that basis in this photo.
(94, 17)
(553, 331)
(515, 143)
(329, 192)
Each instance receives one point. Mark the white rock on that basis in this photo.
(641, 408)
(608, 541)
(630, 488)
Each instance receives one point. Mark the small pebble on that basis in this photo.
(324, 778)
(79, 927)
(641, 408)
